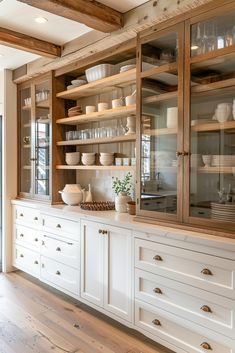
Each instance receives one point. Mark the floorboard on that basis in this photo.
(37, 319)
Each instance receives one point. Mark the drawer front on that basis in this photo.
(157, 323)
(27, 216)
(200, 270)
(28, 237)
(26, 260)
(61, 275)
(64, 227)
(204, 308)
(66, 252)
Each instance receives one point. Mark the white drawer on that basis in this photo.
(61, 275)
(27, 237)
(27, 216)
(200, 270)
(61, 226)
(204, 308)
(158, 323)
(67, 252)
(26, 260)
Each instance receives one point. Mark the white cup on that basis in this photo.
(172, 117)
(130, 100)
(90, 109)
(222, 115)
(102, 106)
(117, 103)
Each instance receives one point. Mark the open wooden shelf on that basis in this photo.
(97, 116)
(166, 68)
(99, 141)
(213, 57)
(215, 170)
(94, 167)
(100, 86)
(160, 97)
(159, 132)
(214, 126)
(43, 104)
(214, 86)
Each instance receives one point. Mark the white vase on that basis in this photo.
(130, 126)
(121, 202)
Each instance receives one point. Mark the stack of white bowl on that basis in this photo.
(72, 158)
(106, 158)
(88, 158)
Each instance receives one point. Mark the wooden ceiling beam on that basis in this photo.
(89, 12)
(24, 42)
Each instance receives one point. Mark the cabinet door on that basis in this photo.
(118, 272)
(92, 255)
(160, 114)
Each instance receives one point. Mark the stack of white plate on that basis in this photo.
(223, 212)
(127, 68)
(88, 158)
(223, 161)
(77, 83)
(106, 158)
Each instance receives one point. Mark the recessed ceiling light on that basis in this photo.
(41, 20)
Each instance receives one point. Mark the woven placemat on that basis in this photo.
(98, 206)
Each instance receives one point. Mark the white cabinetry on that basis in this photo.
(106, 268)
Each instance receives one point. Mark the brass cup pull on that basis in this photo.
(58, 226)
(58, 273)
(206, 346)
(58, 249)
(207, 272)
(100, 231)
(104, 232)
(156, 322)
(22, 235)
(157, 258)
(157, 290)
(36, 239)
(36, 262)
(206, 309)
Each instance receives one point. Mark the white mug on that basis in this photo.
(130, 100)
(102, 106)
(90, 109)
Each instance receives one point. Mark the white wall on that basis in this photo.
(9, 167)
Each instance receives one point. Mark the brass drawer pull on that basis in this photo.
(58, 226)
(35, 218)
(21, 215)
(21, 255)
(58, 249)
(22, 235)
(36, 239)
(58, 273)
(157, 258)
(156, 322)
(207, 272)
(157, 290)
(36, 262)
(206, 346)
(206, 308)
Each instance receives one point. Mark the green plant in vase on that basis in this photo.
(122, 189)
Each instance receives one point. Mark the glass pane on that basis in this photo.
(159, 125)
(160, 51)
(42, 140)
(25, 141)
(212, 179)
(216, 33)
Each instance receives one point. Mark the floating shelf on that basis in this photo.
(214, 126)
(96, 116)
(94, 167)
(100, 86)
(215, 170)
(116, 139)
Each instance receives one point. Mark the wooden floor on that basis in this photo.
(36, 319)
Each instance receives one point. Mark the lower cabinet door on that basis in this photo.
(59, 274)
(117, 272)
(26, 260)
(92, 262)
(162, 325)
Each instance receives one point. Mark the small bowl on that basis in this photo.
(72, 158)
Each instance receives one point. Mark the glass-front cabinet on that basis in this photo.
(161, 118)
(186, 112)
(34, 139)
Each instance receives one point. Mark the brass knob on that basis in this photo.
(206, 346)
(156, 322)
(178, 154)
(157, 290)
(104, 232)
(58, 273)
(21, 235)
(36, 262)
(100, 231)
(58, 226)
(206, 308)
(21, 215)
(36, 239)
(58, 249)
(207, 272)
(185, 153)
(21, 255)
(157, 258)
(35, 218)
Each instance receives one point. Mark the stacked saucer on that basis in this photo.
(223, 161)
(88, 158)
(223, 212)
(77, 110)
(106, 158)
